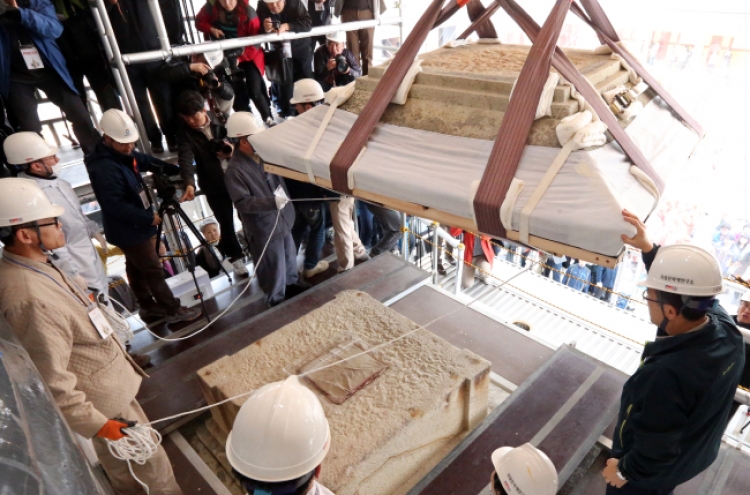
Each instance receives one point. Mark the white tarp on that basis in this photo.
(581, 208)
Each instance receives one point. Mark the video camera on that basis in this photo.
(165, 185)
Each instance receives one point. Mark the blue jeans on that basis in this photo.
(366, 225)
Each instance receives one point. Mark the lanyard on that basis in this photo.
(66, 289)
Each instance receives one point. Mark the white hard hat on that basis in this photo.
(525, 470)
(26, 147)
(746, 296)
(241, 124)
(686, 270)
(22, 201)
(214, 57)
(119, 126)
(280, 433)
(270, 1)
(307, 91)
(209, 221)
(337, 36)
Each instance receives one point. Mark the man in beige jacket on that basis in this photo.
(90, 376)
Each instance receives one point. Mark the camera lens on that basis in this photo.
(341, 64)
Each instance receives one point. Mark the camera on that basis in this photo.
(165, 185)
(221, 146)
(210, 80)
(341, 64)
(275, 24)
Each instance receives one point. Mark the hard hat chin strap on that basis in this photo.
(44, 249)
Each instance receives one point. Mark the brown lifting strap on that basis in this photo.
(370, 115)
(475, 9)
(491, 198)
(514, 129)
(600, 23)
(478, 22)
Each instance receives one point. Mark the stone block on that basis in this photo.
(390, 433)
(465, 91)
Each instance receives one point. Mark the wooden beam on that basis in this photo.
(452, 220)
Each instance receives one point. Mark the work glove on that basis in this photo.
(281, 198)
(112, 429)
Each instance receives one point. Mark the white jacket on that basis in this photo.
(78, 256)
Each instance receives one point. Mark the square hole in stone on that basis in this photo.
(340, 368)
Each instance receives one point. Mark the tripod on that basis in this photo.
(170, 208)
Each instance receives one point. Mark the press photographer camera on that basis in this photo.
(205, 73)
(341, 64)
(333, 64)
(221, 146)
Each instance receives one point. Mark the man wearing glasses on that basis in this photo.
(91, 378)
(674, 408)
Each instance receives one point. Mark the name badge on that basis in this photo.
(101, 323)
(31, 56)
(144, 199)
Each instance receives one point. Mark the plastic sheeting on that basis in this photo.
(38, 454)
(581, 208)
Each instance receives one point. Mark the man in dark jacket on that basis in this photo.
(29, 60)
(359, 41)
(135, 30)
(129, 214)
(321, 13)
(327, 66)
(267, 217)
(82, 48)
(280, 16)
(742, 319)
(674, 409)
(200, 139)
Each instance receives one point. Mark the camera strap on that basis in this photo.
(144, 193)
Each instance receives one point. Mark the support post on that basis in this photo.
(435, 251)
(161, 28)
(404, 237)
(117, 61)
(459, 267)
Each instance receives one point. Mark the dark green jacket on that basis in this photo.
(674, 409)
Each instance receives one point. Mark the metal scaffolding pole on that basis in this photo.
(161, 28)
(105, 30)
(185, 50)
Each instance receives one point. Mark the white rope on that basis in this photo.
(139, 445)
(249, 282)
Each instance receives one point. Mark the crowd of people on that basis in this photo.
(52, 45)
(54, 293)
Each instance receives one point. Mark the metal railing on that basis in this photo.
(119, 61)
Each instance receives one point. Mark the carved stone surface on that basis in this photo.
(393, 431)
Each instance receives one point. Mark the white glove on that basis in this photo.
(281, 198)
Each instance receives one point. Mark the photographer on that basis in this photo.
(280, 16)
(201, 139)
(129, 214)
(335, 65)
(229, 19)
(205, 73)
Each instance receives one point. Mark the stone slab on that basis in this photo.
(389, 434)
(465, 91)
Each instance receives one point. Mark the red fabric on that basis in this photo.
(208, 15)
(469, 241)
